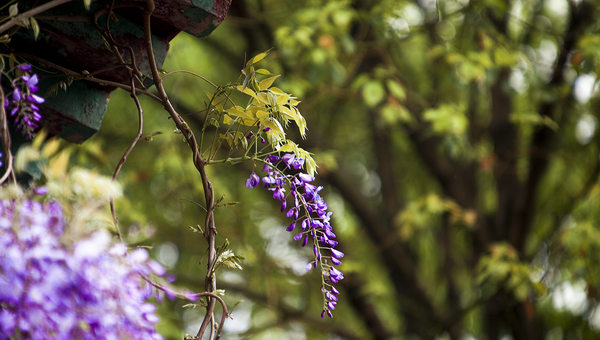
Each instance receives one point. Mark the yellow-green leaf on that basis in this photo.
(373, 93)
(263, 72)
(258, 58)
(265, 84)
(247, 91)
(13, 10)
(35, 27)
(396, 89)
(50, 147)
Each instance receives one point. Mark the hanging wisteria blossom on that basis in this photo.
(310, 212)
(89, 290)
(22, 102)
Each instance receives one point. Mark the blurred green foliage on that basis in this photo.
(458, 145)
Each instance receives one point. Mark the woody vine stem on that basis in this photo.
(134, 76)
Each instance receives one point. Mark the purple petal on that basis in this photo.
(337, 254)
(304, 224)
(288, 158)
(16, 95)
(336, 273)
(31, 82)
(298, 237)
(306, 177)
(24, 67)
(298, 163)
(305, 242)
(156, 268)
(330, 296)
(252, 181)
(34, 98)
(40, 190)
(268, 180)
(291, 227)
(278, 193)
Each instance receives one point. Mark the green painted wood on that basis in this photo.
(77, 114)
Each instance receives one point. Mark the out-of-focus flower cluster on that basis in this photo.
(89, 290)
(310, 214)
(22, 103)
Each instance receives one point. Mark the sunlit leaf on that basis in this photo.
(373, 93)
(396, 89)
(35, 27)
(265, 84)
(263, 72)
(258, 58)
(50, 147)
(13, 10)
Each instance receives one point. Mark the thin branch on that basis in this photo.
(201, 77)
(32, 12)
(127, 152)
(88, 77)
(69, 18)
(197, 295)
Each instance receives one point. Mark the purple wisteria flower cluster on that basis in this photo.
(309, 212)
(23, 105)
(88, 290)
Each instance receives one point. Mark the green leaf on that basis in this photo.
(21, 21)
(214, 122)
(373, 93)
(265, 84)
(396, 89)
(35, 27)
(447, 119)
(87, 4)
(13, 10)
(258, 58)
(263, 72)
(220, 292)
(215, 148)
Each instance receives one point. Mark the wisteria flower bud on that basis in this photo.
(252, 181)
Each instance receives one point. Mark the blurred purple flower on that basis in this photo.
(87, 291)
